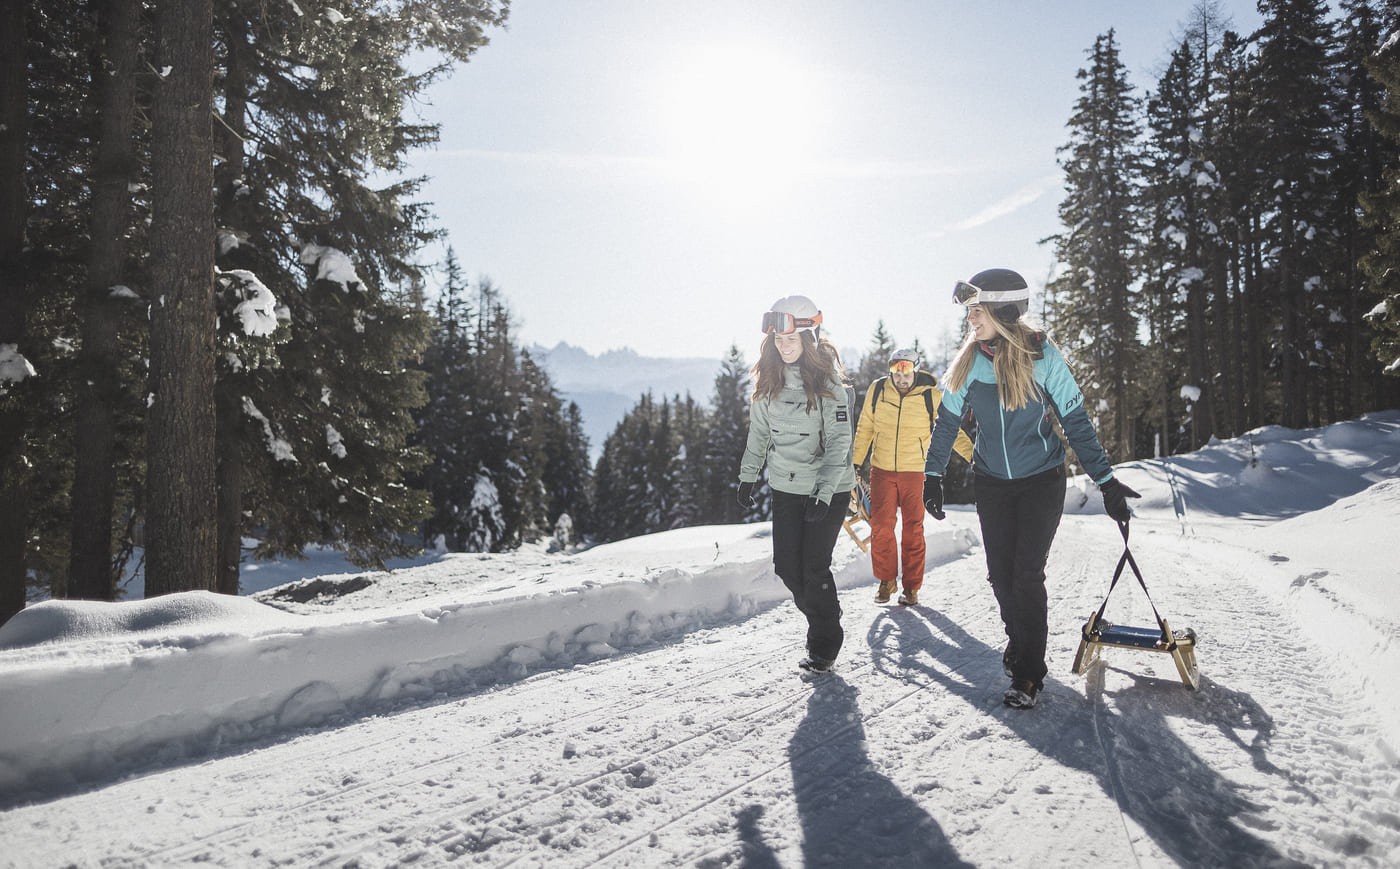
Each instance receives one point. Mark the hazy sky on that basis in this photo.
(653, 174)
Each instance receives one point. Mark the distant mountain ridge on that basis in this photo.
(607, 386)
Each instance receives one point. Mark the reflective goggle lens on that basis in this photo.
(774, 321)
(966, 294)
(902, 366)
(786, 324)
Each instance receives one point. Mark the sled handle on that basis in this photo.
(1127, 559)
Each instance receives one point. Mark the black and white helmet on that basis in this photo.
(1002, 291)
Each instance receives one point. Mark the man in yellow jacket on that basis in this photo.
(893, 431)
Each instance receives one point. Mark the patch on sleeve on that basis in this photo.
(841, 416)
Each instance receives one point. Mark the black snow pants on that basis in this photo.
(1019, 520)
(802, 560)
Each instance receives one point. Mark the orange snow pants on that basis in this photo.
(901, 491)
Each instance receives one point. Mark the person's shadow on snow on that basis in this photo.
(1189, 809)
(754, 853)
(853, 816)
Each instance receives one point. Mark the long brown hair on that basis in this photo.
(820, 365)
(1018, 346)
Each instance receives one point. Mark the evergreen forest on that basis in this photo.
(217, 342)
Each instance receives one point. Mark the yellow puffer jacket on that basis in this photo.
(898, 426)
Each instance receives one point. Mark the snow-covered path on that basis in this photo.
(709, 749)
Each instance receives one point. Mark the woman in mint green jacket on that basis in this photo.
(800, 427)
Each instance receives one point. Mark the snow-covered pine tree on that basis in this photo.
(313, 133)
(663, 471)
(444, 421)
(724, 443)
(1382, 214)
(1093, 307)
(873, 365)
(497, 393)
(568, 476)
(625, 501)
(1355, 379)
(333, 421)
(538, 422)
(1239, 314)
(1294, 104)
(691, 427)
(1179, 183)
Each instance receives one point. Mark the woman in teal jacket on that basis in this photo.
(800, 427)
(1012, 378)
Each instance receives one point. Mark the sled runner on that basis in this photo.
(858, 514)
(1099, 632)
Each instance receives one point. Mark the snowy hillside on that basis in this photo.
(637, 704)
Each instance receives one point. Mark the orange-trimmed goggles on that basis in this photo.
(901, 366)
(786, 324)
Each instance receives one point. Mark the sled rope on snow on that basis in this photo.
(1098, 633)
(858, 513)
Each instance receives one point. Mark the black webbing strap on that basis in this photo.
(1127, 559)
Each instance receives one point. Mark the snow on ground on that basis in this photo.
(636, 704)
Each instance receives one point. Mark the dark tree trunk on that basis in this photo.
(181, 526)
(1225, 411)
(1198, 364)
(98, 385)
(1290, 364)
(231, 132)
(1253, 302)
(230, 509)
(14, 502)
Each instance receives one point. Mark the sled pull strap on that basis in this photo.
(1127, 559)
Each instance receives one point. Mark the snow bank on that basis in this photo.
(1335, 594)
(89, 685)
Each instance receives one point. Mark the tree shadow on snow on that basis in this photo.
(852, 815)
(1192, 812)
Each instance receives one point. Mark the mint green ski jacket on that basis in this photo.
(807, 453)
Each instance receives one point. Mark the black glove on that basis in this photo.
(816, 510)
(745, 496)
(1115, 499)
(933, 496)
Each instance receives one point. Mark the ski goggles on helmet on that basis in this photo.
(901, 366)
(786, 324)
(971, 294)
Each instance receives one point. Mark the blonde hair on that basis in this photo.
(1018, 346)
(820, 365)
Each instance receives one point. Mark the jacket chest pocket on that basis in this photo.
(795, 436)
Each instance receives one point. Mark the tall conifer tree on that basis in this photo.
(1294, 104)
(727, 436)
(1175, 262)
(1382, 216)
(1094, 305)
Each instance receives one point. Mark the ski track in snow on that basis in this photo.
(783, 769)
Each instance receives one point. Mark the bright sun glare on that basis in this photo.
(742, 120)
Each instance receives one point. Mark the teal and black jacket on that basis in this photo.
(1014, 444)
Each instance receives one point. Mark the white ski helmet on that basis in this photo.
(793, 314)
(905, 354)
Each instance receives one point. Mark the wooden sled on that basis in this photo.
(1181, 645)
(1099, 632)
(858, 514)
